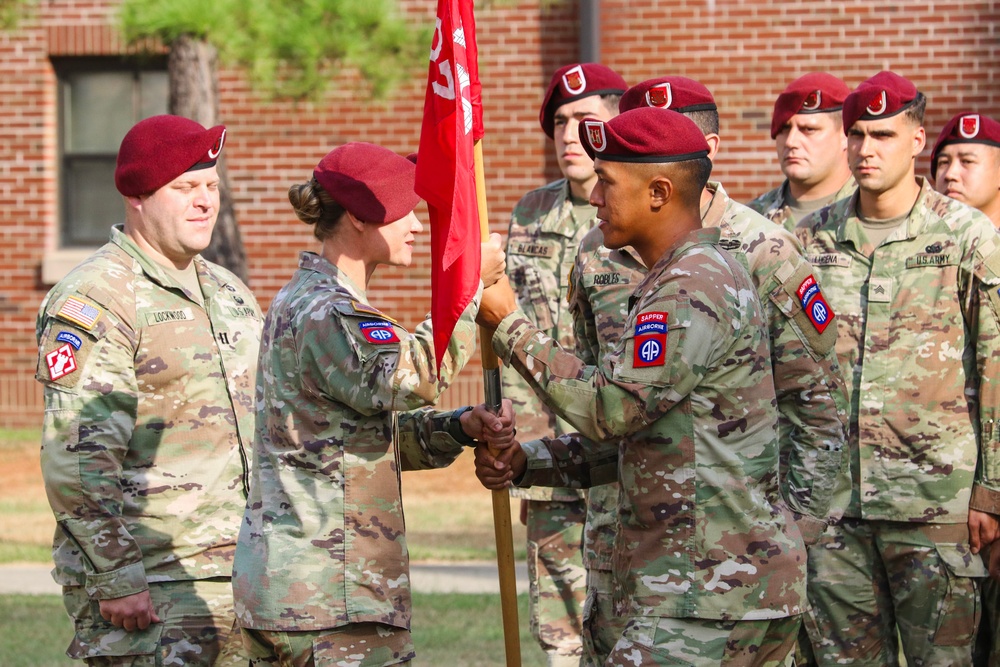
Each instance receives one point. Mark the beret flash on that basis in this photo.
(816, 92)
(966, 128)
(575, 82)
(160, 148)
(882, 96)
(646, 134)
(677, 93)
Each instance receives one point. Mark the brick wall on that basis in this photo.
(744, 51)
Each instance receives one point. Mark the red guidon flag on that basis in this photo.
(446, 179)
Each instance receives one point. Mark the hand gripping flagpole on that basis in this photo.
(452, 125)
(501, 498)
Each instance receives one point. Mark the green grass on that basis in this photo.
(449, 533)
(19, 552)
(448, 629)
(467, 631)
(448, 518)
(36, 632)
(18, 435)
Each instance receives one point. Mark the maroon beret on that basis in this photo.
(966, 128)
(882, 96)
(646, 134)
(677, 93)
(159, 149)
(373, 183)
(816, 92)
(574, 82)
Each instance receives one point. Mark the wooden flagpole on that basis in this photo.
(501, 499)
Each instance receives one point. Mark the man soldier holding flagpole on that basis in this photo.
(546, 227)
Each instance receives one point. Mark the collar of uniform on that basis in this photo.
(554, 221)
(310, 261)
(716, 210)
(774, 200)
(847, 189)
(630, 252)
(850, 230)
(924, 219)
(703, 236)
(155, 272)
(779, 196)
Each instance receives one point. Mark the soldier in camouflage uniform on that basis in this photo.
(965, 165)
(147, 353)
(546, 227)
(709, 569)
(321, 572)
(600, 286)
(913, 277)
(812, 150)
(812, 405)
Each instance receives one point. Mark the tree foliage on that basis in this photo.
(291, 48)
(12, 11)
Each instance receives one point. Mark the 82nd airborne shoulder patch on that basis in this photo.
(650, 341)
(817, 309)
(378, 332)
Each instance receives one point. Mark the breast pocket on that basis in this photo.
(535, 295)
(988, 274)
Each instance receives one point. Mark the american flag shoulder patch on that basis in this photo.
(81, 312)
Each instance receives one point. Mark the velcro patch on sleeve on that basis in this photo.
(71, 338)
(80, 312)
(814, 304)
(61, 362)
(650, 340)
(365, 309)
(64, 349)
(378, 332)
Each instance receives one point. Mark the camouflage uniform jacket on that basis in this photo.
(322, 543)
(600, 286)
(148, 420)
(917, 324)
(541, 245)
(772, 205)
(812, 396)
(688, 393)
(812, 401)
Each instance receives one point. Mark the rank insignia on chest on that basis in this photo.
(650, 341)
(61, 361)
(378, 333)
(815, 306)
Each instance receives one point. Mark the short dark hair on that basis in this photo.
(611, 102)
(689, 176)
(707, 120)
(694, 175)
(915, 112)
